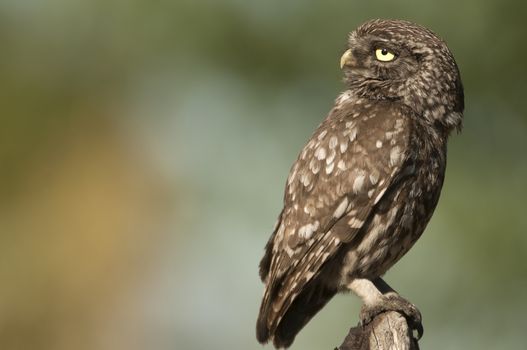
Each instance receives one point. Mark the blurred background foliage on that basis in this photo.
(144, 148)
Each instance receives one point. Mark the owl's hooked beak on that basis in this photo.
(347, 59)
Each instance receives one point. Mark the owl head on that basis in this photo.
(400, 60)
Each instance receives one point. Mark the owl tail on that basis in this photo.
(262, 331)
(303, 308)
(262, 324)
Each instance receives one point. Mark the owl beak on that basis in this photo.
(347, 59)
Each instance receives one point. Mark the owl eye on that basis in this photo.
(384, 55)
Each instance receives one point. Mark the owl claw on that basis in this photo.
(394, 303)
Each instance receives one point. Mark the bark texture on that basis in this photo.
(388, 331)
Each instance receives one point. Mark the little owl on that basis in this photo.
(364, 187)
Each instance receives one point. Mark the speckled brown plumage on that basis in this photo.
(366, 184)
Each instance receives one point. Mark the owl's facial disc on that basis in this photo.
(378, 65)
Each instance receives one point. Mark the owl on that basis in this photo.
(365, 185)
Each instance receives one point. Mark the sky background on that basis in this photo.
(144, 148)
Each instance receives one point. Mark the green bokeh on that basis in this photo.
(217, 97)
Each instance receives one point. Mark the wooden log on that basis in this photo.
(388, 331)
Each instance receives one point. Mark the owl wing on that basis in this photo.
(351, 160)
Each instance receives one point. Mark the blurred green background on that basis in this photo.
(144, 148)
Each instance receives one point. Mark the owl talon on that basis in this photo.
(398, 304)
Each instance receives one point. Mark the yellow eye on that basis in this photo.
(384, 55)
